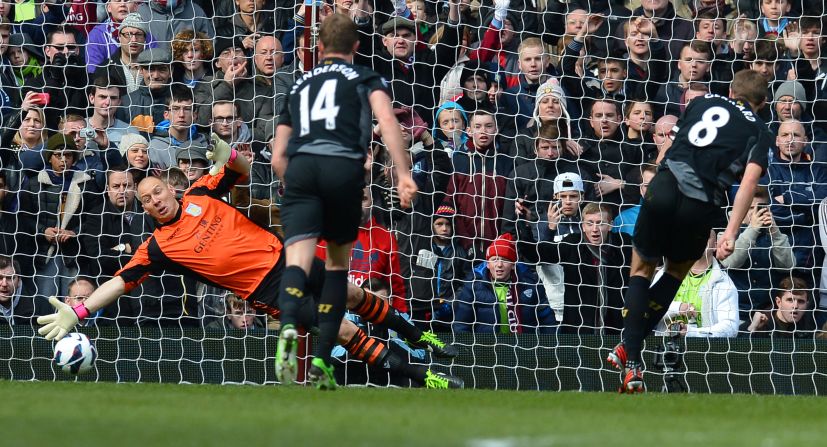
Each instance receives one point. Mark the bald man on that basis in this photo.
(663, 135)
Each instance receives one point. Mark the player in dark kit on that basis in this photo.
(717, 141)
(319, 152)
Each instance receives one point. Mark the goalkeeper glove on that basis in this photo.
(58, 324)
(220, 154)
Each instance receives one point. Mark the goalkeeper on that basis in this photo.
(203, 237)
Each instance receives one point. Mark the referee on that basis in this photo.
(319, 152)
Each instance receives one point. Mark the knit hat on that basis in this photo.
(568, 181)
(446, 211)
(552, 88)
(56, 142)
(134, 20)
(129, 140)
(472, 68)
(791, 88)
(503, 247)
(222, 43)
(411, 120)
(24, 41)
(193, 151)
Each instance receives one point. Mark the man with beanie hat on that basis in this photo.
(114, 52)
(502, 296)
(106, 39)
(789, 101)
(438, 273)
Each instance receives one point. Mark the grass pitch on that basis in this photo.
(120, 415)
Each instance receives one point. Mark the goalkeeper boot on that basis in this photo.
(286, 365)
(321, 375)
(430, 342)
(617, 357)
(442, 381)
(632, 379)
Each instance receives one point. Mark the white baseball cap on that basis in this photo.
(568, 181)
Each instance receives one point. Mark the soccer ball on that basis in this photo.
(75, 354)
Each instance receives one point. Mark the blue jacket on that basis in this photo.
(797, 183)
(476, 305)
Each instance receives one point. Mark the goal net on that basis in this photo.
(533, 130)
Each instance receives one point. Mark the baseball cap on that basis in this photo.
(568, 181)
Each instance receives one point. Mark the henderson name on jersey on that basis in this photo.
(331, 105)
(715, 139)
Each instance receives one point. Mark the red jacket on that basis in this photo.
(375, 254)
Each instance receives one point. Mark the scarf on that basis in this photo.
(508, 308)
(112, 29)
(30, 70)
(774, 30)
(65, 179)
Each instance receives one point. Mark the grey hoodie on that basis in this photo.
(164, 24)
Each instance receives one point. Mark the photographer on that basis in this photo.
(761, 253)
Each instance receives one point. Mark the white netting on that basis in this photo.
(497, 100)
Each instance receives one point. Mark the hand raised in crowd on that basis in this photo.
(791, 37)
(554, 215)
(593, 23)
(29, 101)
(740, 34)
(645, 26)
(249, 42)
(607, 185)
(501, 9)
(761, 218)
(522, 209)
(236, 72)
(758, 321)
(102, 138)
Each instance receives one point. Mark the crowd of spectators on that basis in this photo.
(533, 129)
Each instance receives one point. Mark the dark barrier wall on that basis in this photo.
(527, 362)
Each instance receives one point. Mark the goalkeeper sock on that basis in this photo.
(332, 305)
(661, 295)
(377, 311)
(636, 316)
(376, 353)
(291, 295)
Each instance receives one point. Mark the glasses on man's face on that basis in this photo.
(130, 35)
(224, 119)
(70, 48)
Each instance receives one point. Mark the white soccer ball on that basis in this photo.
(75, 354)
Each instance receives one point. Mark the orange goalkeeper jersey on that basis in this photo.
(209, 240)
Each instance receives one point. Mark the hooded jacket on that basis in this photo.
(439, 135)
(476, 304)
(178, 15)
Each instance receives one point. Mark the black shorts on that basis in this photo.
(265, 297)
(672, 225)
(322, 198)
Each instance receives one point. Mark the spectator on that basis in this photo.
(105, 38)
(762, 254)
(706, 304)
(26, 60)
(192, 159)
(662, 137)
(168, 18)
(638, 119)
(773, 18)
(693, 66)
(16, 308)
(414, 75)
(626, 220)
(78, 291)
(438, 274)
(239, 314)
(795, 186)
(596, 267)
(790, 317)
(227, 124)
(531, 185)
(8, 218)
(789, 103)
(146, 106)
(176, 130)
(478, 184)
(121, 67)
(105, 100)
(26, 134)
(474, 83)
(112, 230)
(669, 26)
(561, 219)
(611, 70)
(518, 99)
(51, 205)
(268, 58)
(134, 150)
(191, 55)
(605, 156)
(501, 296)
(250, 20)
(63, 77)
(449, 127)
(550, 110)
(743, 32)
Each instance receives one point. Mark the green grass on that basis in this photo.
(120, 415)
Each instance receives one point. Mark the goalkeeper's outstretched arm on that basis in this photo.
(65, 318)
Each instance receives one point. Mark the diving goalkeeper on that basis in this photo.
(207, 239)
